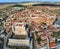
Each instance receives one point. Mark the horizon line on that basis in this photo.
(30, 1)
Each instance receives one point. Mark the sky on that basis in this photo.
(29, 0)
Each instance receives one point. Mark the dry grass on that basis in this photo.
(5, 5)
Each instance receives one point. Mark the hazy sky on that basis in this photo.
(29, 0)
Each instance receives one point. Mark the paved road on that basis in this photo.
(58, 46)
(5, 40)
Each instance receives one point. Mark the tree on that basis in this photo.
(56, 34)
(1, 23)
